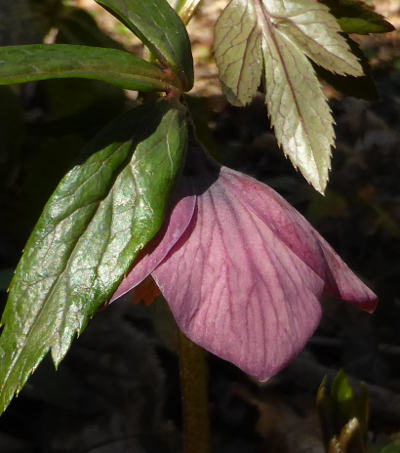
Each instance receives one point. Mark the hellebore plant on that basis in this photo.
(242, 271)
(344, 415)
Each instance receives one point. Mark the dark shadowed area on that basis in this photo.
(118, 389)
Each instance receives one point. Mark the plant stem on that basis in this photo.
(194, 387)
(186, 9)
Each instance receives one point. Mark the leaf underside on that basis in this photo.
(159, 27)
(277, 39)
(27, 63)
(101, 215)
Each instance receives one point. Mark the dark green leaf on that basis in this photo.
(325, 411)
(20, 64)
(363, 411)
(343, 399)
(356, 17)
(71, 98)
(343, 415)
(341, 391)
(100, 216)
(161, 30)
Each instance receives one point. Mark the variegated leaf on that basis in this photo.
(277, 38)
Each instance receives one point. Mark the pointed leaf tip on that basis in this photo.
(159, 27)
(19, 64)
(279, 37)
(100, 216)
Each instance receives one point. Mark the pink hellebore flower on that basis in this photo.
(243, 271)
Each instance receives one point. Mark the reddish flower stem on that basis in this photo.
(194, 388)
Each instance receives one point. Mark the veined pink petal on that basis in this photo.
(245, 279)
(297, 233)
(171, 231)
(236, 289)
(242, 270)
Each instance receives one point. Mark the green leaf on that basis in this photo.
(343, 415)
(346, 411)
(159, 27)
(356, 17)
(325, 410)
(275, 38)
(101, 215)
(20, 64)
(363, 411)
(342, 392)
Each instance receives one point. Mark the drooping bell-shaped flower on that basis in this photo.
(242, 271)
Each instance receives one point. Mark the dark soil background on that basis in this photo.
(118, 389)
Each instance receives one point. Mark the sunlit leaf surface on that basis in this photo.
(277, 39)
(159, 27)
(101, 215)
(44, 61)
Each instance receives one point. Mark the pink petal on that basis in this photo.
(297, 233)
(243, 271)
(238, 290)
(159, 247)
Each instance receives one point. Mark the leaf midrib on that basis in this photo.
(271, 27)
(128, 75)
(54, 286)
(171, 47)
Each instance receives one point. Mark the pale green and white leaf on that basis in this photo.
(100, 216)
(276, 39)
(31, 62)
